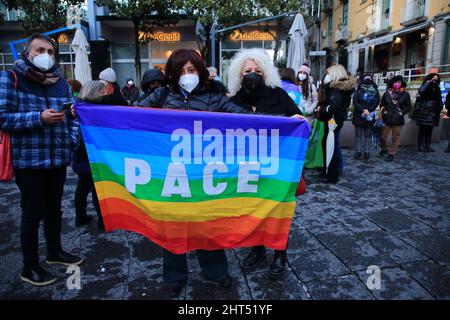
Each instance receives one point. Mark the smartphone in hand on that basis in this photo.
(66, 106)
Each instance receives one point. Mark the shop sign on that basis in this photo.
(62, 38)
(253, 36)
(160, 36)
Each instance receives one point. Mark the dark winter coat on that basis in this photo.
(116, 98)
(363, 100)
(346, 88)
(391, 111)
(131, 94)
(270, 101)
(150, 76)
(201, 98)
(338, 96)
(429, 105)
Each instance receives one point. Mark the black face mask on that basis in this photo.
(252, 81)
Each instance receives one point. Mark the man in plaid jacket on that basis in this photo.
(42, 139)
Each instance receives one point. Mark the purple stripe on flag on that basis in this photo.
(167, 120)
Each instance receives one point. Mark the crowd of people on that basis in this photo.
(45, 140)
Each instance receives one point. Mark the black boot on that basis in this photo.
(278, 265)
(420, 143)
(448, 148)
(256, 255)
(428, 147)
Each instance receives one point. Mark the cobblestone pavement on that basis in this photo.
(392, 215)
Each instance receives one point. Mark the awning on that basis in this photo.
(388, 38)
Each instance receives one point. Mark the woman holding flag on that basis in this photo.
(254, 84)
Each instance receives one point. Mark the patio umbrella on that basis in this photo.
(82, 68)
(296, 51)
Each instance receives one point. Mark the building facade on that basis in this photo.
(384, 35)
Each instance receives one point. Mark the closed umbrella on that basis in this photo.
(296, 51)
(330, 143)
(82, 68)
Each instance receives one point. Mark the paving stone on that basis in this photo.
(356, 253)
(317, 264)
(397, 284)
(434, 277)
(433, 243)
(348, 287)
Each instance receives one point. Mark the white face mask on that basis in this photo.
(42, 61)
(189, 82)
(302, 76)
(327, 79)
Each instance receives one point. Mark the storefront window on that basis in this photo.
(231, 45)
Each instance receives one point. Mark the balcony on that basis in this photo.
(327, 7)
(342, 35)
(413, 12)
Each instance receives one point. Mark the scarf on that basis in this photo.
(255, 97)
(369, 89)
(30, 72)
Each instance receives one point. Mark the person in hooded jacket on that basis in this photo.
(151, 80)
(428, 110)
(395, 104)
(334, 100)
(366, 99)
(130, 92)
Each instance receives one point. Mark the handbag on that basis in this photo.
(301, 188)
(6, 167)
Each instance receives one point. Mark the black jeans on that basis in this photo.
(213, 263)
(84, 187)
(41, 191)
(425, 134)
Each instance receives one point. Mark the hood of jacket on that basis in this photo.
(345, 85)
(151, 75)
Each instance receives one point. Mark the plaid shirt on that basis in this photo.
(36, 145)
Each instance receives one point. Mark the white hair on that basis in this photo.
(262, 59)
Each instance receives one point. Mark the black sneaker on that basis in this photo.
(389, 158)
(65, 259)
(37, 276)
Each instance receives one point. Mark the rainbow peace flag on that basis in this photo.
(195, 180)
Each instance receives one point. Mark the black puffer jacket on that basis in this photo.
(429, 105)
(201, 98)
(365, 97)
(391, 112)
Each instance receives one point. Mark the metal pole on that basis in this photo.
(213, 45)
